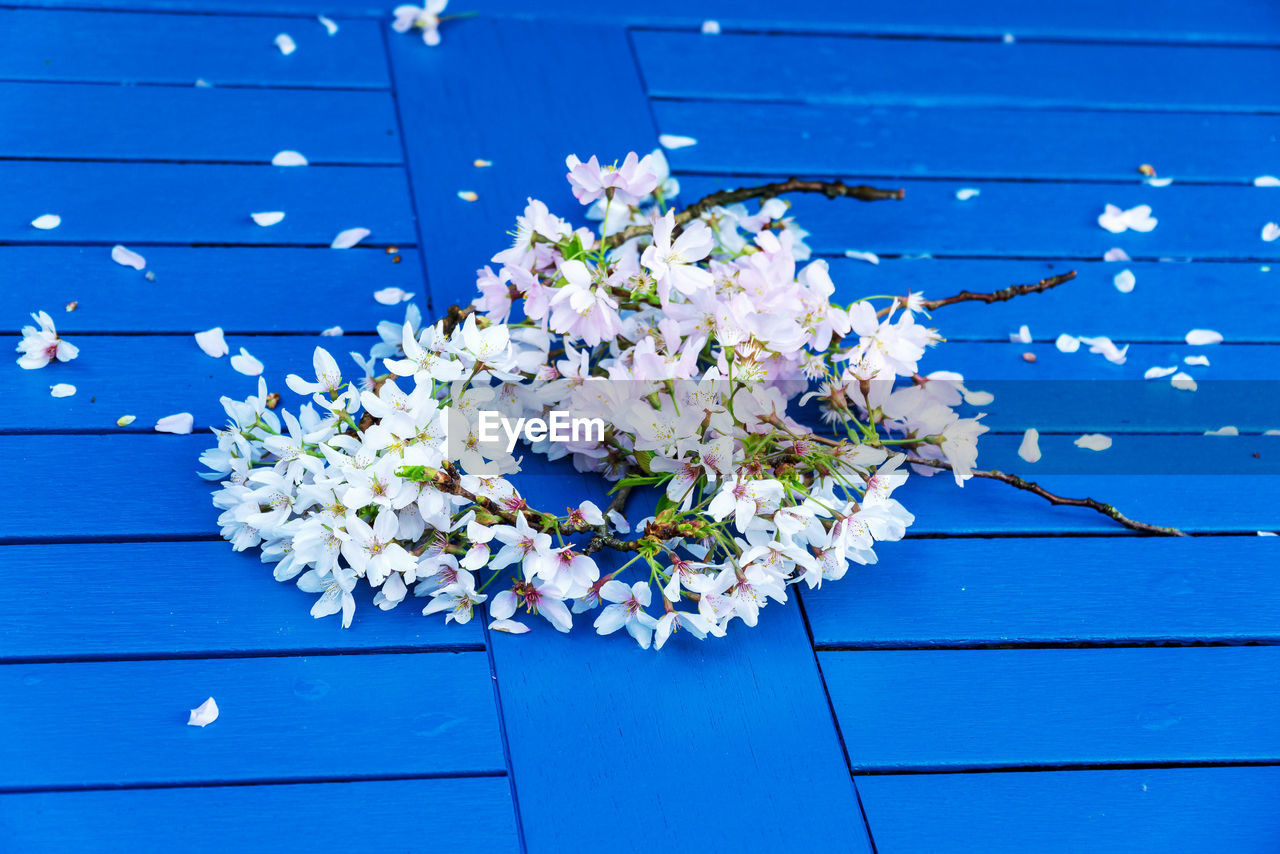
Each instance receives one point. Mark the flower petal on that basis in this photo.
(1093, 442)
(212, 342)
(350, 237)
(126, 420)
(266, 218)
(672, 141)
(1270, 232)
(62, 390)
(468, 195)
(869, 257)
(288, 158)
(246, 364)
(1183, 381)
(1223, 431)
(1124, 281)
(1158, 373)
(1266, 181)
(331, 332)
(964, 194)
(1029, 450)
(392, 296)
(1067, 343)
(180, 423)
(1116, 255)
(44, 222)
(127, 257)
(1197, 360)
(711, 28)
(203, 714)
(1201, 337)
(330, 26)
(286, 44)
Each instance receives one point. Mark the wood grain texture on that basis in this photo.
(1194, 221)
(202, 203)
(966, 142)
(485, 83)
(116, 47)
(249, 818)
(82, 121)
(935, 592)
(200, 287)
(925, 73)
(1191, 810)
(103, 724)
(966, 709)
(189, 599)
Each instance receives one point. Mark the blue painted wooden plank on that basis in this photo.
(103, 724)
(190, 599)
(967, 142)
(202, 203)
(1167, 301)
(1194, 221)
(965, 592)
(255, 818)
(121, 47)
(859, 71)
(83, 121)
(745, 715)
(194, 287)
(964, 709)
(1149, 811)
(489, 68)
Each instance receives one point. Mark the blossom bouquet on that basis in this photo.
(752, 430)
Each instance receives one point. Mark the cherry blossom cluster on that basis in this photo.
(759, 427)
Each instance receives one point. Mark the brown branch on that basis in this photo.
(1002, 295)
(1058, 500)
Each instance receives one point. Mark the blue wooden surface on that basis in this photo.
(1046, 680)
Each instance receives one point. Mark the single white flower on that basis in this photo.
(425, 17)
(627, 610)
(41, 345)
(487, 344)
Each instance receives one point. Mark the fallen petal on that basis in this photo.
(1158, 182)
(331, 26)
(212, 342)
(1116, 255)
(1124, 281)
(1182, 381)
(964, 194)
(181, 422)
(1029, 450)
(127, 257)
(1201, 337)
(125, 420)
(350, 237)
(267, 217)
(392, 296)
(1158, 373)
(1022, 336)
(711, 28)
(1270, 232)
(1223, 431)
(204, 714)
(869, 257)
(246, 364)
(468, 195)
(44, 222)
(481, 163)
(331, 332)
(62, 390)
(672, 141)
(978, 398)
(1268, 534)
(1067, 343)
(1266, 181)
(509, 626)
(286, 44)
(288, 158)
(1093, 442)
(1197, 360)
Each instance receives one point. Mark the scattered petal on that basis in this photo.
(869, 257)
(1116, 255)
(204, 714)
(1182, 381)
(1197, 360)
(212, 342)
(44, 222)
(1158, 373)
(127, 257)
(1201, 337)
(468, 195)
(1022, 336)
(331, 332)
(330, 25)
(246, 364)
(1093, 442)
(1124, 281)
(288, 158)
(62, 390)
(286, 44)
(978, 398)
(73, 305)
(203, 84)
(1266, 181)
(126, 420)
(267, 217)
(1029, 450)
(1271, 432)
(1116, 221)
(509, 626)
(1268, 534)
(1270, 232)
(711, 28)
(1008, 38)
(481, 163)
(1067, 343)
(1223, 431)
(1158, 182)
(673, 141)
(1104, 345)
(350, 237)
(181, 422)
(392, 296)
(964, 194)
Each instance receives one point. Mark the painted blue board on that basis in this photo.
(1193, 221)
(197, 288)
(254, 818)
(191, 598)
(903, 710)
(122, 47)
(926, 72)
(83, 121)
(1148, 811)
(1113, 590)
(1167, 300)
(145, 203)
(484, 82)
(967, 142)
(331, 717)
(620, 729)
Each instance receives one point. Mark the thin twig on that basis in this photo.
(1036, 489)
(1002, 295)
